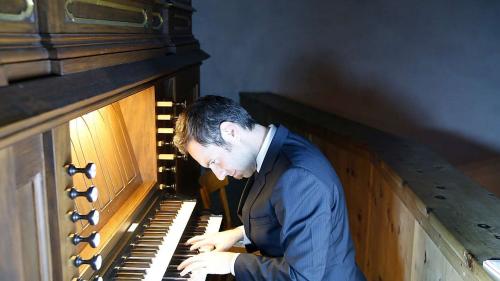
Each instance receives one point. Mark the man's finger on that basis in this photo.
(200, 244)
(186, 262)
(194, 266)
(195, 239)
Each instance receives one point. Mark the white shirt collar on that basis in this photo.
(265, 146)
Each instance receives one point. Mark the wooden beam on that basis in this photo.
(38, 105)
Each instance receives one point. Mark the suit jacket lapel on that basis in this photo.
(260, 178)
(244, 195)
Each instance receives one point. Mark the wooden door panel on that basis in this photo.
(18, 16)
(23, 213)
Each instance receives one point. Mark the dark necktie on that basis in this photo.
(244, 194)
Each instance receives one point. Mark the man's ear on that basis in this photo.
(229, 131)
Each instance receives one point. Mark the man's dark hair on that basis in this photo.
(201, 121)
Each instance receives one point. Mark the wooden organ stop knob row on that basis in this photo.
(165, 118)
(91, 194)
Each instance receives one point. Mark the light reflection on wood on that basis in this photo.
(101, 137)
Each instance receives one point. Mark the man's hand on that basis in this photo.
(220, 241)
(198, 276)
(209, 263)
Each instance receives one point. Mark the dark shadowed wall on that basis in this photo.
(429, 70)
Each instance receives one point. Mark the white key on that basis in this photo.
(162, 259)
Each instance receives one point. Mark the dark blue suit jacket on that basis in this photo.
(294, 212)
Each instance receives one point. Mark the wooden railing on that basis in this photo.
(413, 216)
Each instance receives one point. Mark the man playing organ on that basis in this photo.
(293, 208)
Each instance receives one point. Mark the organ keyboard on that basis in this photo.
(155, 252)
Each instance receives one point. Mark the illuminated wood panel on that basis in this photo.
(101, 137)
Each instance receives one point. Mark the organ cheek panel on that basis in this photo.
(90, 91)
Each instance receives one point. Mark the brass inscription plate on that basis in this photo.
(105, 13)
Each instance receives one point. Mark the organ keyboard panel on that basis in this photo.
(196, 226)
(154, 251)
(137, 186)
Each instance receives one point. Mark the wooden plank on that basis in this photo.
(428, 261)
(390, 234)
(355, 173)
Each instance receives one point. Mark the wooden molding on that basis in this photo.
(71, 53)
(21, 47)
(74, 65)
(22, 56)
(64, 46)
(25, 70)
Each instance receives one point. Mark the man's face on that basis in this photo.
(237, 162)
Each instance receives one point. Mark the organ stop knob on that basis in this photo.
(93, 239)
(92, 217)
(162, 169)
(89, 170)
(91, 193)
(95, 262)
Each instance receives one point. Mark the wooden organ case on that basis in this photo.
(92, 187)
